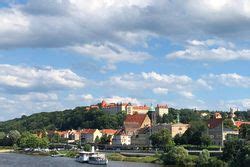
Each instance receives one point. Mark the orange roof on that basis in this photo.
(213, 123)
(138, 118)
(109, 131)
(88, 131)
(140, 107)
(162, 106)
(239, 123)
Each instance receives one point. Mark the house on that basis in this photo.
(121, 138)
(229, 133)
(239, 123)
(131, 109)
(215, 130)
(174, 129)
(161, 110)
(90, 135)
(135, 122)
(109, 132)
(141, 138)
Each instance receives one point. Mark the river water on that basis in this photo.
(21, 160)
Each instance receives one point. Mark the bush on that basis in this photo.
(176, 156)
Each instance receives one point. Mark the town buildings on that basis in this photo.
(121, 138)
(174, 128)
(135, 122)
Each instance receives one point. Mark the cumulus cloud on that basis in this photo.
(210, 50)
(26, 104)
(111, 53)
(56, 23)
(158, 83)
(241, 104)
(119, 99)
(230, 80)
(159, 90)
(26, 79)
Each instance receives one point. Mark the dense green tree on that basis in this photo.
(203, 159)
(29, 140)
(231, 148)
(14, 136)
(175, 156)
(195, 135)
(245, 132)
(63, 120)
(162, 139)
(105, 139)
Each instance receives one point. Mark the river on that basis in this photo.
(21, 160)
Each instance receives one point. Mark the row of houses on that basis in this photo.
(136, 131)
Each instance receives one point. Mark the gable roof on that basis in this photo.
(136, 118)
(108, 131)
(88, 131)
(213, 123)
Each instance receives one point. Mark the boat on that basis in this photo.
(83, 156)
(98, 159)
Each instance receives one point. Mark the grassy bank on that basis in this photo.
(147, 159)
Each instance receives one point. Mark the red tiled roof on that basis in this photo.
(88, 131)
(239, 123)
(120, 132)
(213, 123)
(138, 118)
(162, 106)
(108, 131)
(140, 107)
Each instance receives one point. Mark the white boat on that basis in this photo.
(83, 156)
(98, 159)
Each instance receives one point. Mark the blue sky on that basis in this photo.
(58, 54)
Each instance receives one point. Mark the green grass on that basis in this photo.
(119, 157)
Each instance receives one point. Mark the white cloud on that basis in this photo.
(53, 23)
(241, 104)
(230, 80)
(138, 83)
(111, 53)
(87, 97)
(210, 50)
(36, 96)
(186, 94)
(159, 90)
(119, 99)
(20, 78)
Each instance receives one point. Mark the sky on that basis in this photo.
(59, 54)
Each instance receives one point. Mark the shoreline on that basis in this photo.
(6, 150)
(111, 156)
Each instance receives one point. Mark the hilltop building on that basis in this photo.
(161, 110)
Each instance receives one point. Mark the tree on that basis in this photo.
(245, 131)
(29, 140)
(87, 147)
(203, 159)
(231, 148)
(176, 156)
(105, 139)
(162, 139)
(2, 137)
(196, 134)
(14, 136)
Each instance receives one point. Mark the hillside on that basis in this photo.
(62, 120)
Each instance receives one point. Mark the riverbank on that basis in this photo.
(6, 149)
(155, 159)
(147, 159)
